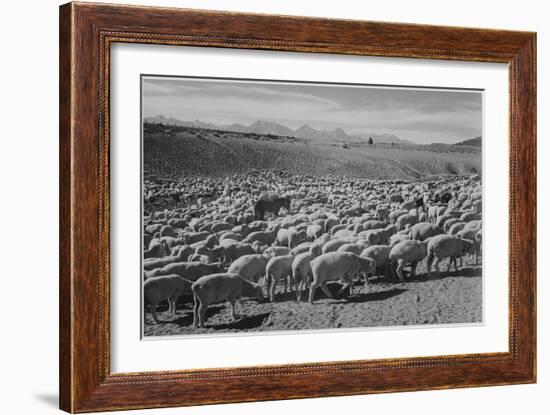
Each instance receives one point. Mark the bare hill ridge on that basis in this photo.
(267, 127)
(179, 151)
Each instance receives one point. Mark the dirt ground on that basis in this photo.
(448, 297)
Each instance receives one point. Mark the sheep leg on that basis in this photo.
(399, 270)
(450, 263)
(267, 281)
(234, 315)
(436, 265)
(456, 268)
(196, 311)
(201, 312)
(387, 271)
(345, 285)
(154, 312)
(272, 288)
(429, 261)
(312, 289)
(325, 289)
(413, 268)
(299, 291)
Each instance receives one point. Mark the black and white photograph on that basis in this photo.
(279, 205)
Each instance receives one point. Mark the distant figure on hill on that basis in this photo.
(370, 141)
(392, 143)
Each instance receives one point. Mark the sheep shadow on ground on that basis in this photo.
(375, 296)
(469, 272)
(187, 318)
(242, 323)
(466, 272)
(335, 287)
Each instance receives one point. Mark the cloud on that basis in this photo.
(422, 115)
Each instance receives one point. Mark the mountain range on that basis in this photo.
(268, 127)
(304, 132)
(476, 141)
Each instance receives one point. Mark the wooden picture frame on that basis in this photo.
(86, 33)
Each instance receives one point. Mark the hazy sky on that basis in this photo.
(423, 116)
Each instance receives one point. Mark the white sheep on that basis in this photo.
(301, 269)
(250, 267)
(407, 252)
(165, 287)
(343, 266)
(277, 268)
(447, 246)
(216, 288)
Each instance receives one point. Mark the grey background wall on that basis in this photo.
(29, 192)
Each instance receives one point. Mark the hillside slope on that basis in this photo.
(179, 151)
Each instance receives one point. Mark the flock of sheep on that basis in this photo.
(218, 240)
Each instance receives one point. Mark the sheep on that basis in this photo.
(301, 269)
(250, 267)
(407, 252)
(157, 249)
(380, 236)
(380, 255)
(355, 248)
(442, 219)
(395, 198)
(266, 237)
(469, 216)
(168, 230)
(153, 228)
(408, 205)
(330, 223)
(382, 212)
(447, 246)
(395, 214)
(398, 237)
(303, 247)
(478, 206)
(337, 265)
(337, 228)
(189, 238)
(478, 242)
(472, 225)
(205, 259)
(314, 231)
(456, 227)
(278, 268)
(423, 230)
(333, 245)
(274, 251)
(231, 235)
(449, 223)
(192, 270)
(211, 254)
(166, 287)
(373, 224)
(234, 250)
(152, 273)
(295, 237)
(220, 287)
(432, 214)
(221, 226)
(181, 254)
(406, 219)
(344, 234)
